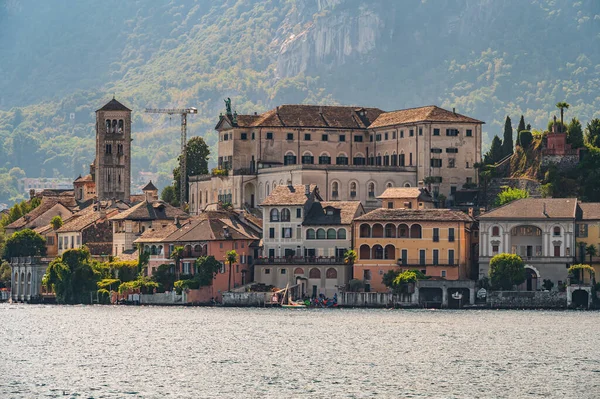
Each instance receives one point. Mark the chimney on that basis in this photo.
(226, 233)
(544, 212)
(176, 221)
(307, 189)
(454, 110)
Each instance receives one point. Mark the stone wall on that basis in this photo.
(497, 185)
(562, 162)
(376, 299)
(254, 299)
(527, 299)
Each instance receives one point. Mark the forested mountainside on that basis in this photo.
(61, 60)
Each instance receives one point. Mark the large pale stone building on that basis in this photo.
(351, 153)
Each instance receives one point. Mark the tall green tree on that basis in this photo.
(197, 153)
(521, 127)
(177, 255)
(507, 142)
(72, 276)
(495, 153)
(562, 106)
(592, 132)
(170, 195)
(231, 257)
(506, 271)
(575, 133)
(25, 243)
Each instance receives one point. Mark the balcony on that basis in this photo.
(301, 260)
(416, 263)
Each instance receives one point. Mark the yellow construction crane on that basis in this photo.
(183, 158)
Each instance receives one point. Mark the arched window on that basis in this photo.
(274, 215)
(377, 231)
(495, 231)
(121, 125)
(334, 189)
(365, 230)
(298, 270)
(331, 234)
(331, 273)
(377, 252)
(321, 234)
(114, 126)
(314, 273)
(371, 190)
(341, 234)
(108, 126)
(394, 159)
(406, 184)
(390, 231)
(153, 250)
(342, 159)
(310, 234)
(160, 250)
(364, 252)
(415, 231)
(359, 159)
(353, 190)
(267, 189)
(556, 231)
(289, 158)
(403, 231)
(386, 160)
(308, 159)
(389, 185)
(324, 159)
(389, 252)
(197, 249)
(285, 215)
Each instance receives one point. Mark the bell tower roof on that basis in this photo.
(114, 105)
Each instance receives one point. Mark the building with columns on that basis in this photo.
(540, 230)
(351, 153)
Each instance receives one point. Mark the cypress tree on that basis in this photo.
(507, 143)
(495, 153)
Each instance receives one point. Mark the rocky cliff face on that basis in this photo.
(334, 35)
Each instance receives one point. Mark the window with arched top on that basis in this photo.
(108, 125)
(389, 185)
(121, 126)
(364, 252)
(289, 158)
(114, 126)
(331, 273)
(353, 190)
(321, 235)
(377, 252)
(285, 215)
(556, 231)
(335, 189)
(274, 215)
(341, 159)
(371, 190)
(365, 230)
(495, 231)
(314, 273)
(415, 231)
(298, 270)
(389, 252)
(341, 234)
(331, 234)
(390, 230)
(406, 184)
(310, 234)
(377, 231)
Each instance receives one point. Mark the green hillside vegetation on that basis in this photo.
(511, 58)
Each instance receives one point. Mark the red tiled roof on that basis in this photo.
(535, 208)
(431, 113)
(288, 195)
(443, 215)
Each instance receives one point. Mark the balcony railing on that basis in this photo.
(415, 263)
(301, 260)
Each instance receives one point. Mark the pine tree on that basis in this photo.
(507, 143)
(575, 134)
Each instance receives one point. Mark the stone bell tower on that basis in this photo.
(113, 152)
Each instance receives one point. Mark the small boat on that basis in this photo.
(290, 303)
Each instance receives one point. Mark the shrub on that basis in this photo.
(103, 297)
(547, 285)
(506, 271)
(525, 139)
(510, 194)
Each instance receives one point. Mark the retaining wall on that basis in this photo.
(527, 299)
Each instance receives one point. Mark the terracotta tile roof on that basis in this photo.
(589, 210)
(338, 117)
(86, 178)
(155, 210)
(288, 195)
(405, 192)
(344, 212)
(442, 215)
(136, 198)
(533, 208)
(429, 113)
(114, 105)
(46, 205)
(209, 226)
(84, 218)
(128, 255)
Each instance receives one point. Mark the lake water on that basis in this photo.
(160, 352)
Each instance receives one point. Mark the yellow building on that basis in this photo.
(435, 241)
(587, 232)
(406, 197)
